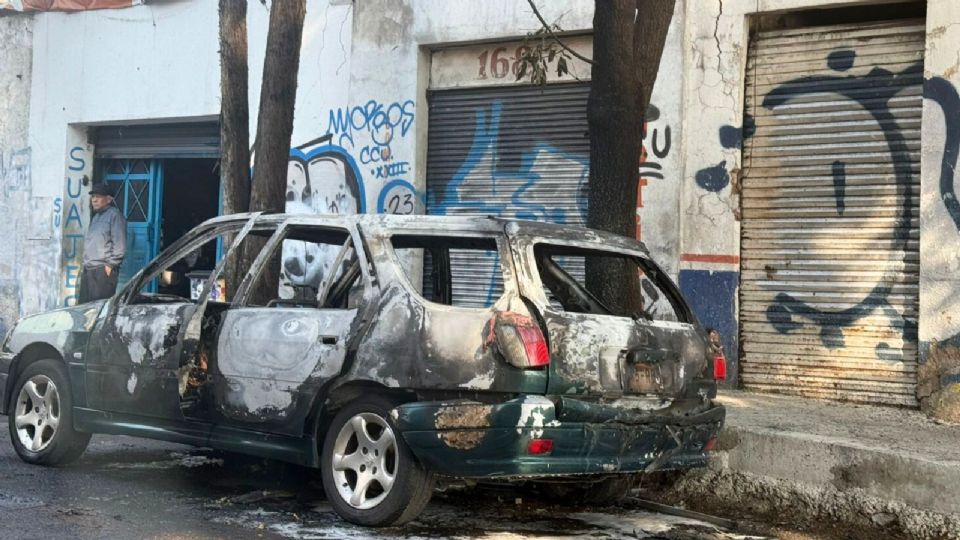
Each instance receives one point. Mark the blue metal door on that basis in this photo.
(137, 185)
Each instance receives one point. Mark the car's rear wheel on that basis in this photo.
(41, 416)
(370, 476)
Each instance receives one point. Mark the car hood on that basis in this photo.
(54, 327)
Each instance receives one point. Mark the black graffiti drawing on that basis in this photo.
(839, 170)
(941, 92)
(717, 177)
(652, 169)
(873, 92)
(713, 178)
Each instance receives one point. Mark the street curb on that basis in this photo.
(805, 479)
(924, 484)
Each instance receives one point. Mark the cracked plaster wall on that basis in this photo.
(24, 216)
(715, 55)
(150, 63)
(939, 325)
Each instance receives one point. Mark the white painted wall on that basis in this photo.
(939, 325)
(150, 63)
(940, 237)
(16, 34)
(390, 67)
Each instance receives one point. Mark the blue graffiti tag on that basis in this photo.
(398, 197)
(464, 194)
(481, 166)
(324, 180)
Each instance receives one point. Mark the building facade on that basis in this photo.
(796, 178)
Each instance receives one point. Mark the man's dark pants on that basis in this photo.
(96, 284)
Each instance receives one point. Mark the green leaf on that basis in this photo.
(562, 67)
(553, 53)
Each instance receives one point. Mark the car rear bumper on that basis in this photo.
(471, 439)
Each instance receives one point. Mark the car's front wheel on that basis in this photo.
(41, 416)
(370, 476)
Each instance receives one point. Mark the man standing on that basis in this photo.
(103, 247)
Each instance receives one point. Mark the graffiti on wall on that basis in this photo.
(15, 170)
(484, 185)
(715, 178)
(654, 149)
(15, 177)
(371, 129)
(786, 309)
(327, 176)
(67, 213)
(944, 94)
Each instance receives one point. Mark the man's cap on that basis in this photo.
(100, 189)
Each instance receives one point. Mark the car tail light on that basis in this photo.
(540, 446)
(711, 444)
(719, 367)
(519, 340)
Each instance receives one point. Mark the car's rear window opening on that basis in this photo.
(597, 282)
(456, 271)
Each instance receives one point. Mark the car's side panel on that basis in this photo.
(420, 345)
(65, 331)
(299, 450)
(273, 361)
(134, 360)
(605, 355)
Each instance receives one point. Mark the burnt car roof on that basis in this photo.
(433, 223)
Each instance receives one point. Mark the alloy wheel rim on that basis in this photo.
(37, 414)
(365, 460)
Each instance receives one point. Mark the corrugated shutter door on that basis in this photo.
(188, 140)
(518, 152)
(830, 226)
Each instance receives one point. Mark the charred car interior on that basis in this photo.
(383, 351)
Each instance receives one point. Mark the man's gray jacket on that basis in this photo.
(106, 239)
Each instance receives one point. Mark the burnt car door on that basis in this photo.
(643, 341)
(135, 357)
(277, 351)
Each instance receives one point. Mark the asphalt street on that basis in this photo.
(125, 487)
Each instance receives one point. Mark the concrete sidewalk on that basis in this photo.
(890, 470)
(889, 453)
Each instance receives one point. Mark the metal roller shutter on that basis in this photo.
(189, 140)
(517, 152)
(830, 223)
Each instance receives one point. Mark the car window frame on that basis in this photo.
(242, 297)
(175, 252)
(665, 283)
(507, 268)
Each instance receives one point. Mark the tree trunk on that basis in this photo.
(650, 35)
(628, 39)
(234, 107)
(277, 96)
(274, 127)
(234, 117)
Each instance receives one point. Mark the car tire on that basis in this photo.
(41, 416)
(370, 476)
(606, 492)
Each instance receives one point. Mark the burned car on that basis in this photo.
(383, 351)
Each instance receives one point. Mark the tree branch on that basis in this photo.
(554, 36)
